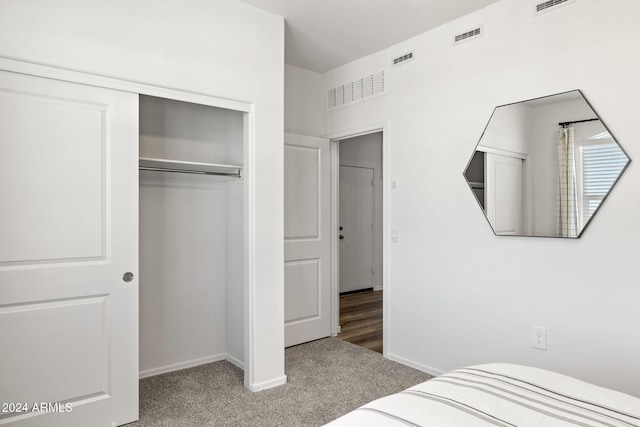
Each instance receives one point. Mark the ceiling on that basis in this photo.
(321, 35)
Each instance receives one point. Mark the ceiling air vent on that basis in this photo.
(358, 90)
(547, 6)
(468, 35)
(402, 59)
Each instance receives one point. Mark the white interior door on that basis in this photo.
(504, 190)
(307, 249)
(68, 234)
(356, 233)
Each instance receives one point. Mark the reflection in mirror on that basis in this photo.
(543, 167)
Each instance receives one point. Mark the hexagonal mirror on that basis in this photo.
(544, 167)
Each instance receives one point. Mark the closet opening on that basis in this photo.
(191, 236)
(360, 241)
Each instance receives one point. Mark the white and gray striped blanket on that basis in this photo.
(499, 395)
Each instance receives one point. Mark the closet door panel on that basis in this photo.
(68, 227)
(302, 195)
(54, 179)
(301, 296)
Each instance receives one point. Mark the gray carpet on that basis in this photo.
(326, 379)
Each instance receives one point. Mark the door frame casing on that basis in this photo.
(335, 138)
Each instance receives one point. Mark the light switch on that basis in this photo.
(395, 233)
(394, 184)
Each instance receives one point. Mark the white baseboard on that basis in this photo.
(183, 365)
(424, 368)
(202, 361)
(268, 384)
(378, 288)
(234, 361)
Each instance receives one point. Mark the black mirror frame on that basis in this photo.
(606, 196)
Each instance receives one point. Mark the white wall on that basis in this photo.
(221, 48)
(508, 129)
(366, 150)
(458, 294)
(304, 101)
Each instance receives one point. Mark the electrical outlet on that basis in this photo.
(539, 337)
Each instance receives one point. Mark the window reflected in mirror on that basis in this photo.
(544, 167)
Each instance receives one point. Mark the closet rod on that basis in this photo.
(231, 174)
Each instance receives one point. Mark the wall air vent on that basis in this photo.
(367, 87)
(548, 6)
(402, 59)
(465, 36)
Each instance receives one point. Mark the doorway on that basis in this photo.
(360, 253)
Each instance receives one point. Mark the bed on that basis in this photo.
(499, 395)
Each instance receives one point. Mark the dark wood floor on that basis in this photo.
(361, 319)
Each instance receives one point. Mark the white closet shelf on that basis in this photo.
(179, 166)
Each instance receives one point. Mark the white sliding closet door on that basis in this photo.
(504, 188)
(68, 235)
(307, 246)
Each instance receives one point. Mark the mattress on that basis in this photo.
(499, 395)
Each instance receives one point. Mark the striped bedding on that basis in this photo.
(499, 395)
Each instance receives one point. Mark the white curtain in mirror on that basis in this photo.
(567, 194)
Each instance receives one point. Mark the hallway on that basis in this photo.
(361, 319)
